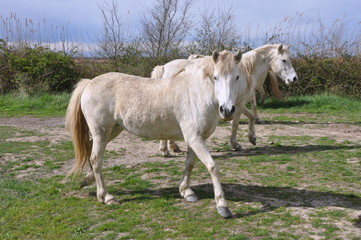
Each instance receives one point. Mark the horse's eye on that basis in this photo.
(237, 78)
(215, 78)
(284, 60)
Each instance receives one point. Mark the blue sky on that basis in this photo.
(82, 17)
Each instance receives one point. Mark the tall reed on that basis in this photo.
(22, 33)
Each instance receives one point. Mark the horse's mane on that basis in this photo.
(274, 86)
(224, 65)
(250, 59)
(195, 56)
(273, 83)
(208, 67)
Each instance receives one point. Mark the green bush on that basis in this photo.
(139, 66)
(341, 76)
(6, 83)
(42, 70)
(36, 69)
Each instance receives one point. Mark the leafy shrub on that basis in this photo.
(139, 66)
(6, 84)
(340, 76)
(50, 71)
(36, 70)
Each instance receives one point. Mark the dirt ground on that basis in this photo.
(138, 150)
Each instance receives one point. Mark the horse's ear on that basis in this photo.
(215, 56)
(280, 48)
(238, 56)
(287, 47)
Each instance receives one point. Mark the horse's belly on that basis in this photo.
(154, 129)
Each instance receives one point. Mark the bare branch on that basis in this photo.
(217, 31)
(165, 26)
(114, 35)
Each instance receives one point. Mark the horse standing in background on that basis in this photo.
(271, 58)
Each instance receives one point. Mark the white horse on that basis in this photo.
(275, 91)
(272, 59)
(187, 107)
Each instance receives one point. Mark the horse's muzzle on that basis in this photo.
(291, 80)
(225, 113)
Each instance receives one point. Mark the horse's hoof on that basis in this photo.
(258, 121)
(89, 179)
(83, 184)
(224, 212)
(191, 198)
(238, 148)
(176, 149)
(252, 140)
(112, 201)
(167, 155)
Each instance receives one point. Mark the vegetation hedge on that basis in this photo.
(39, 69)
(341, 76)
(33, 70)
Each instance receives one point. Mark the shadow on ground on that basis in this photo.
(271, 198)
(281, 149)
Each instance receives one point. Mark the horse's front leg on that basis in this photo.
(200, 149)
(251, 129)
(233, 138)
(254, 108)
(184, 189)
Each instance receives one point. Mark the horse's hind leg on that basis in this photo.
(90, 178)
(254, 108)
(251, 130)
(184, 188)
(101, 136)
(233, 139)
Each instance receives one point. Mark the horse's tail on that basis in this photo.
(78, 127)
(274, 86)
(157, 72)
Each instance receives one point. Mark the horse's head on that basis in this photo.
(226, 79)
(281, 64)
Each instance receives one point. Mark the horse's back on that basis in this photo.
(139, 105)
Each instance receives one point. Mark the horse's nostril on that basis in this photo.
(221, 109)
(295, 79)
(233, 109)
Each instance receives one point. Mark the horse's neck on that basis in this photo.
(261, 65)
(205, 92)
(202, 80)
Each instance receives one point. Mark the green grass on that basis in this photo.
(299, 187)
(346, 109)
(12, 132)
(13, 105)
(43, 105)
